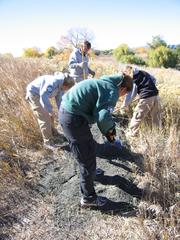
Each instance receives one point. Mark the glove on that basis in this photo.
(93, 73)
(81, 65)
(111, 135)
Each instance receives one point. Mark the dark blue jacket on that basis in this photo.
(145, 85)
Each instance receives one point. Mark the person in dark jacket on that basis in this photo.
(86, 103)
(148, 100)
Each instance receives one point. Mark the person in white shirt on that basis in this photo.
(78, 63)
(38, 95)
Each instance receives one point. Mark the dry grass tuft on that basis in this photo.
(160, 181)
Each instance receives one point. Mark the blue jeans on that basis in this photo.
(82, 145)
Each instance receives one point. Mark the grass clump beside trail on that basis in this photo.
(19, 132)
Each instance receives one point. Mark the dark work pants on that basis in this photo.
(82, 145)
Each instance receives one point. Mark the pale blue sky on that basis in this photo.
(40, 23)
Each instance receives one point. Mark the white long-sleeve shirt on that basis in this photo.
(46, 87)
(77, 72)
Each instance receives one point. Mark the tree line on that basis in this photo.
(156, 54)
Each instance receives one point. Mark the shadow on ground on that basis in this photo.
(109, 152)
(117, 161)
(118, 208)
(121, 183)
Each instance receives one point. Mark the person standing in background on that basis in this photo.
(78, 63)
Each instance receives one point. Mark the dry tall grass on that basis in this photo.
(161, 151)
(18, 125)
(18, 128)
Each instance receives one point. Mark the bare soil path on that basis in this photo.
(52, 212)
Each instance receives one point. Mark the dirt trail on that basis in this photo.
(53, 211)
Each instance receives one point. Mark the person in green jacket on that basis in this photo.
(88, 102)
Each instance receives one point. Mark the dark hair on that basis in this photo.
(68, 80)
(127, 83)
(88, 44)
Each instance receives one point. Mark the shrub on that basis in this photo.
(122, 50)
(107, 52)
(63, 55)
(50, 52)
(178, 54)
(162, 57)
(132, 59)
(97, 52)
(32, 52)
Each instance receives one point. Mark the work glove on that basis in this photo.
(93, 73)
(111, 135)
(81, 65)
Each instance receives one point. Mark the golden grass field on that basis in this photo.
(161, 149)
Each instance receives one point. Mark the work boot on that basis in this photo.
(97, 202)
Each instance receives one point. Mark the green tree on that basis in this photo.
(50, 52)
(157, 41)
(122, 50)
(178, 53)
(162, 57)
(32, 52)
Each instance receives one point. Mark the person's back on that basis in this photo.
(41, 84)
(145, 84)
(88, 97)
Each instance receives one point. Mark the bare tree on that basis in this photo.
(63, 43)
(75, 37)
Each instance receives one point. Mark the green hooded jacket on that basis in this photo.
(94, 100)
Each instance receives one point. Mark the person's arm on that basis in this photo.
(129, 97)
(44, 100)
(58, 99)
(105, 109)
(49, 88)
(105, 121)
(75, 60)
